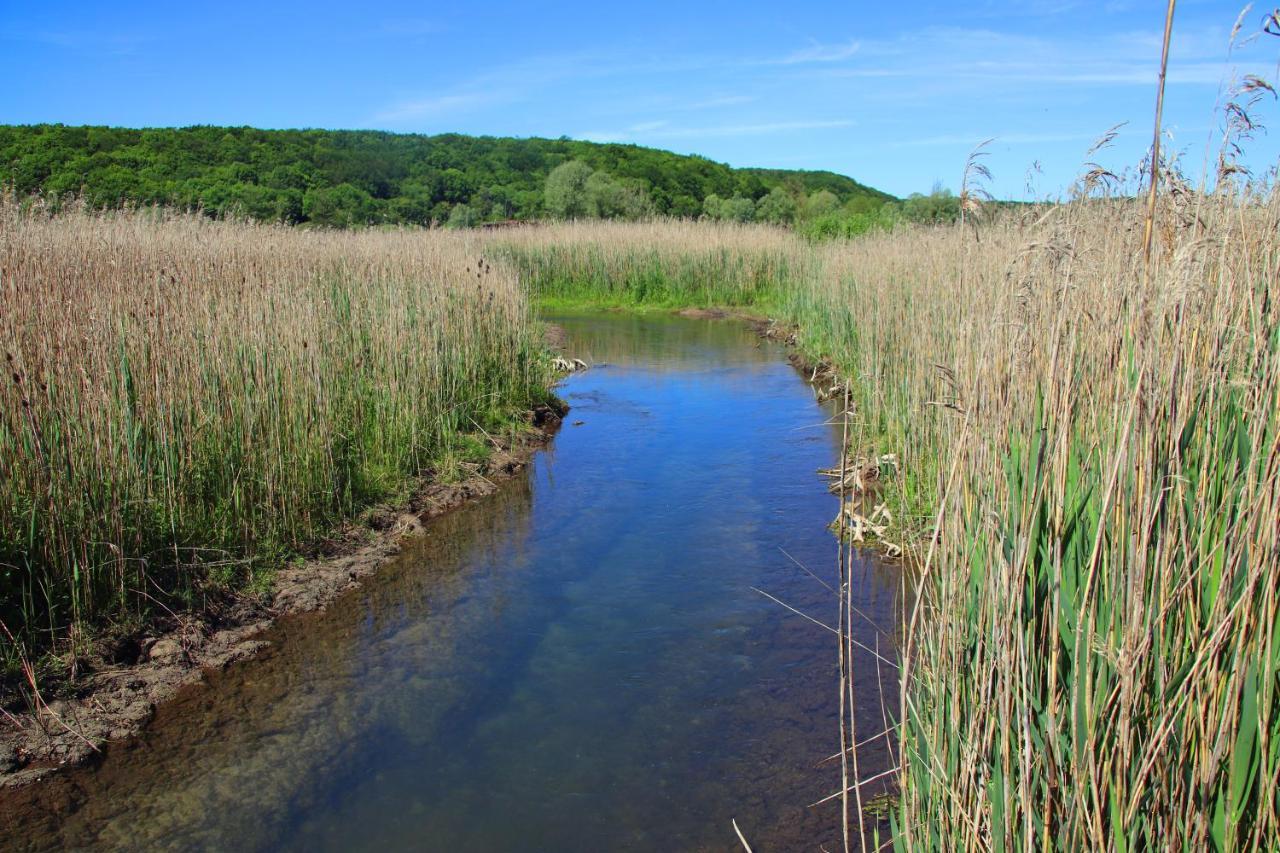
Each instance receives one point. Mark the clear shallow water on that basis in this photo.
(577, 663)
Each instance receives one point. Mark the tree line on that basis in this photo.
(346, 178)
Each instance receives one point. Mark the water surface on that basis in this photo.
(578, 663)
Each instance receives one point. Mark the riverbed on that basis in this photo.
(583, 661)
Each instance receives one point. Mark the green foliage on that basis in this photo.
(344, 178)
(567, 190)
(344, 205)
(776, 208)
(821, 203)
(608, 198)
(462, 216)
(846, 225)
(800, 183)
(607, 265)
(736, 209)
(862, 215)
(939, 207)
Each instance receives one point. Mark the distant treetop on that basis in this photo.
(354, 177)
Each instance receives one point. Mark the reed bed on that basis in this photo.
(1089, 453)
(1094, 661)
(187, 402)
(664, 263)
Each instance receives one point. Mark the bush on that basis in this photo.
(462, 216)
(566, 191)
(776, 208)
(834, 226)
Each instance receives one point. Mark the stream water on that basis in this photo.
(580, 662)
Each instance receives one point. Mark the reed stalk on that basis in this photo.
(188, 402)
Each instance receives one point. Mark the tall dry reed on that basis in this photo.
(671, 263)
(187, 400)
(1089, 452)
(1095, 658)
(1088, 448)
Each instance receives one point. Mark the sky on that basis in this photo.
(895, 95)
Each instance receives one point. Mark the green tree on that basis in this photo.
(566, 190)
(341, 206)
(413, 205)
(113, 186)
(496, 202)
(778, 207)
(292, 177)
(684, 206)
(248, 201)
(455, 187)
(738, 209)
(821, 203)
(863, 204)
(462, 216)
(354, 177)
(602, 195)
(609, 198)
(939, 207)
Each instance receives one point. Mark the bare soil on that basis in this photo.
(116, 694)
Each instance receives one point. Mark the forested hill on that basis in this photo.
(337, 177)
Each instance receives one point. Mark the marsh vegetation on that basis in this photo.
(1088, 488)
(1087, 444)
(189, 402)
(1080, 399)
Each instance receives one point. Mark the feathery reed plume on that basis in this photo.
(189, 401)
(973, 193)
(1155, 137)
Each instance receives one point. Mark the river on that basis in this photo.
(582, 661)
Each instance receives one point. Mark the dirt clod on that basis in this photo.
(165, 651)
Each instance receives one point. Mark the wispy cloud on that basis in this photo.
(663, 130)
(513, 82)
(502, 84)
(497, 85)
(112, 43)
(723, 101)
(941, 68)
(436, 106)
(816, 52)
(1028, 73)
(969, 140)
(960, 59)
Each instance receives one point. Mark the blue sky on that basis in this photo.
(894, 94)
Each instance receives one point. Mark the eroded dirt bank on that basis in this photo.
(133, 675)
(120, 693)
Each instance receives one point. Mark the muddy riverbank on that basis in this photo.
(131, 676)
(584, 661)
(561, 664)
